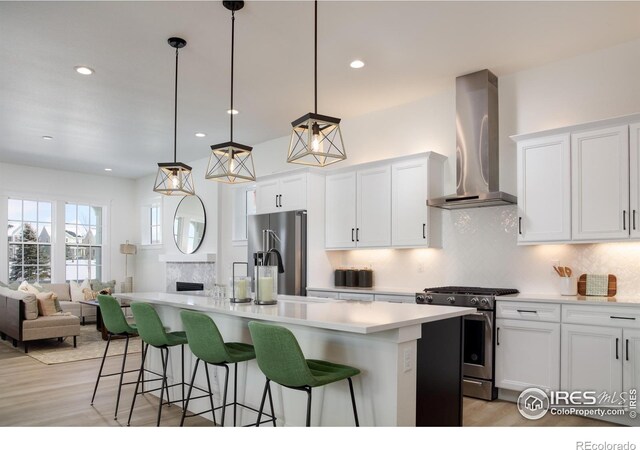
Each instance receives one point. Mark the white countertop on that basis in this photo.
(572, 299)
(364, 290)
(340, 315)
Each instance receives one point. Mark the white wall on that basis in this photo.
(480, 245)
(59, 186)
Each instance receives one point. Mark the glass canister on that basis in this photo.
(266, 281)
(241, 292)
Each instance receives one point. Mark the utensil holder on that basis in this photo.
(568, 286)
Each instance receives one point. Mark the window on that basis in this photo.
(29, 235)
(83, 242)
(155, 229)
(244, 204)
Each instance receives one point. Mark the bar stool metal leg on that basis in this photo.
(135, 393)
(124, 361)
(104, 357)
(164, 381)
(308, 406)
(353, 402)
(213, 409)
(193, 380)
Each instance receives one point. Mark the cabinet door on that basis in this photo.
(634, 178)
(544, 189)
(527, 354)
(374, 207)
(293, 190)
(631, 362)
(591, 358)
(340, 210)
(266, 196)
(600, 184)
(409, 204)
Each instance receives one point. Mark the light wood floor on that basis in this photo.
(36, 394)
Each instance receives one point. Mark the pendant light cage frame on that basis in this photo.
(328, 147)
(175, 178)
(231, 162)
(316, 140)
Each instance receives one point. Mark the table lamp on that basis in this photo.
(127, 249)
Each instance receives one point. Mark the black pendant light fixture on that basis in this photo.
(316, 140)
(231, 162)
(175, 178)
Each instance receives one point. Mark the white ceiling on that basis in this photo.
(122, 116)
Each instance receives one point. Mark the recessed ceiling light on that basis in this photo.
(200, 135)
(84, 70)
(47, 138)
(107, 169)
(357, 64)
(232, 111)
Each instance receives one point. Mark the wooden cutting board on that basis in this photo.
(582, 285)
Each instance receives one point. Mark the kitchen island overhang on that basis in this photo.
(377, 337)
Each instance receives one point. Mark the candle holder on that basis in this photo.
(241, 285)
(266, 285)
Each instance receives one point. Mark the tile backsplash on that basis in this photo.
(191, 272)
(480, 249)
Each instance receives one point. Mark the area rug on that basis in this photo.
(89, 346)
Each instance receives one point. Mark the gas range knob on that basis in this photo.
(475, 301)
(429, 298)
(484, 302)
(421, 298)
(451, 300)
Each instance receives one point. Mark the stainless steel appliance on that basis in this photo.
(479, 333)
(290, 228)
(477, 177)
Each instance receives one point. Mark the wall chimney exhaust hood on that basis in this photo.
(477, 177)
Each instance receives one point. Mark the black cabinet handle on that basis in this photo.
(424, 231)
(634, 219)
(352, 239)
(621, 317)
(624, 220)
(527, 311)
(276, 201)
(357, 234)
(519, 225)
(627, 349)
(280, 201)
(498, 336)
(617, 356)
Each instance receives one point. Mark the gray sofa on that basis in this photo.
(19, 320)
(86, 313)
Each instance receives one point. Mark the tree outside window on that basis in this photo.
(29, 235)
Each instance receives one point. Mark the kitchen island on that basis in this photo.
(381, 339)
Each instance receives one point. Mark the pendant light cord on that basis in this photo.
(233, 26)
(315, 57)
(175, 113)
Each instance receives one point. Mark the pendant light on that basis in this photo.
(316, 140)
(231, 162)
(174, 178)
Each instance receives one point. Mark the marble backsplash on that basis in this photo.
(480, 249)
(191, 272)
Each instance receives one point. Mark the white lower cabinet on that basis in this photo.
(591, 358)
(631, 362)
(527, 354)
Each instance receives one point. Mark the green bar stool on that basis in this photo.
(206, 343)
(117, 326)
(152, 332)
(281, 360)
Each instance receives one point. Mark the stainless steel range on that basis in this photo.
(479, 333)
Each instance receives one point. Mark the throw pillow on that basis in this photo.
(77, 290)
(28, 288)
(46, 304)
(30, 307)
(89, 294)
(97, 285)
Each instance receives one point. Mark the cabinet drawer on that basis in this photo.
(395, 298)
(322, 294)
(354, 296)
(540, 312)
(608, 316)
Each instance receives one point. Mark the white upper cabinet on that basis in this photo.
(384, 204)
(340, 210)
(413, 181)
(373, 206)
(544, 189)
(600, 183)
(634, 179)
(283, 193)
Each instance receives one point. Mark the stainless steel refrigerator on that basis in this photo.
(290, 227)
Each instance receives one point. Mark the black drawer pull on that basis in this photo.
(498, 336)
(617, 356)
(527, 311)
(424, 231)
(352, 239)
(620, 317)
(519, 225)
(627, 344)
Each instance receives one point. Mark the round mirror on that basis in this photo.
(189, 224)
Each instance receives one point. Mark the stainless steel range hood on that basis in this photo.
(477, 177)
